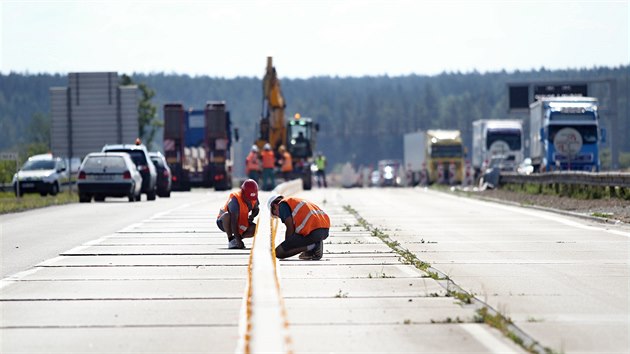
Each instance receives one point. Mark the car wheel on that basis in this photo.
(99, 198)
(43, 194)
(167, 194)
(138, 197)
(55, 189)
(84, 198)
(151, 195)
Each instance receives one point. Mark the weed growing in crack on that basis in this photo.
(341, 294)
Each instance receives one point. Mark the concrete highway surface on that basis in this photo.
(157, 277)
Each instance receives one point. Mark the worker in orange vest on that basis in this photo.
(252, 164)
(307, 226)
(268, 165)
(236, 217)
(286, 163)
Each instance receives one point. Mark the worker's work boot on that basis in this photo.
(306, 255)
(233, 244)
(318, 251)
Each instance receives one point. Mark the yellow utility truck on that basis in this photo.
(434, 156)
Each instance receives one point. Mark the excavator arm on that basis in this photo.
(272, 123)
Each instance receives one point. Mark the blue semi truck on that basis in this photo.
(565, 134)
(197, 145)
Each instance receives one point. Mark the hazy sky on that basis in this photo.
(311, 38)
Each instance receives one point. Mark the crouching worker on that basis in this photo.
(307, 227)
(235, 219)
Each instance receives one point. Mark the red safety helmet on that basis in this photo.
(249, 190)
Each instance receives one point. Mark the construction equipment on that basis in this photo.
(298, 135)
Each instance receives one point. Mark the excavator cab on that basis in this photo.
(301, 134)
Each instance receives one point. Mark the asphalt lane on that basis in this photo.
(158, 277)
(30, 237)
(564, 281)
(168, 284)
(163, 282)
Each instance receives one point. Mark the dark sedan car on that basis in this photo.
(163, 174)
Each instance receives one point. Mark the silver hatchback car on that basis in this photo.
(108, 174)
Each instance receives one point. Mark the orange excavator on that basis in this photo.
(297, 135)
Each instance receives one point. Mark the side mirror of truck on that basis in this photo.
(236, 136)
(603, 135)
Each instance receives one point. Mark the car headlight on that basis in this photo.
(49, 179)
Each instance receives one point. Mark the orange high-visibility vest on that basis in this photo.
(268, 159)
(287, 165)
(307, 216)
(251, 162)
(243, 211)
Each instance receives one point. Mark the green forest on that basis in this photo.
(362, 119)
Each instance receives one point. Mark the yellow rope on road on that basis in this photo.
(247, 342)
(248, 331)
(287, 338)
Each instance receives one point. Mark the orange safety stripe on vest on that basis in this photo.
(243, 211)
(268, 159)
(287, 165)
(307, 216)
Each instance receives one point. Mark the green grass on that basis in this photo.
(464, 298)
(10, 204)
(569, 190)
(602, 215)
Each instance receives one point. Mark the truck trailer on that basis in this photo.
(497, 138)
(434, 156)
(565, 134)
(197, 145)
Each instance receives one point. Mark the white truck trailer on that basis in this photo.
(414, 151)
(500, 139)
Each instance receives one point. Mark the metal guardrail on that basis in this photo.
(601, 179)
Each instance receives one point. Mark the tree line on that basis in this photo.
(361, 119)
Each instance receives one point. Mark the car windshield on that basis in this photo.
(34, 165)
(511, 137)
(103, 163)
(438, 151)
(588, 132)
(136, 155)
(157, 161)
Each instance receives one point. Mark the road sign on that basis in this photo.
(8, 156)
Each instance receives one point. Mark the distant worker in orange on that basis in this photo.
(307, 226)
(286, 163)
(268, 165)
(252, 164)
(236, 217)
